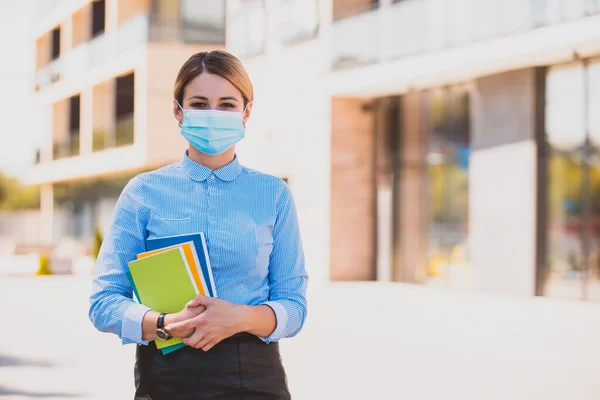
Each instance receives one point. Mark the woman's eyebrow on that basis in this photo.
(206, 98)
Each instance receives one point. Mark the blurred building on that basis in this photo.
(443, 142)
(104, 77)
(440, 142)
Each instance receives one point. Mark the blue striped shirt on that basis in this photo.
(251, 228)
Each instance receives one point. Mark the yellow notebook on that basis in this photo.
(189, 249)
(164, 283)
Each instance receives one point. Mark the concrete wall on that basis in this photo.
(344, 8)
(353, 191)
(503, 181)
(60, 120)
(43, 50)
(103, 112)
(81, 25)
(503, 218)
(413, 194)
(131, 8)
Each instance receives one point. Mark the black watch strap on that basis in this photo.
(160, 323)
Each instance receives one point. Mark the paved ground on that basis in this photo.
(49, 349)
(362, 341)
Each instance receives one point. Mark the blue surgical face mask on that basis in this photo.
(212, 131)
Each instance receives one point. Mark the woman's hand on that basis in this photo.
(186, 314)
(221, 320)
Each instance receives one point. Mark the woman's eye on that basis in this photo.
(227, 105)
(198, 105)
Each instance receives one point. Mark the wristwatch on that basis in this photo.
(161, 333)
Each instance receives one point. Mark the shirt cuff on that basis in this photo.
(281, 320)
(131, 331)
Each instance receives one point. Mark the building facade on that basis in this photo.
(104, 77)
(441, 142)
(450, 143)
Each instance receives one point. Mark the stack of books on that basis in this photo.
(171, 273)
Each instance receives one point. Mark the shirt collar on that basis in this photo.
(199, 172)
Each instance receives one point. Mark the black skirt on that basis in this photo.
(241, 367)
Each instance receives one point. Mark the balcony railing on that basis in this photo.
(122, 135)
(65, 148)
(165, 30)
(124, 132)
(101, 49)
(48, 74)
(412, 27)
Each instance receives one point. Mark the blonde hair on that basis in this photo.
(216, 62)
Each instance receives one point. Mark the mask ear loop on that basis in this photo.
(244, 113)
(181, 108)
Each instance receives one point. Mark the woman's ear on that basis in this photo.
(247, 113)
(177, 111)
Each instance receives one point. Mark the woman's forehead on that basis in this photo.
(211, 85)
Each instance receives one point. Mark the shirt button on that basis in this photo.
(211, 178)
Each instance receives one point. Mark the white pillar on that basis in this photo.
(112, 14)
(503, 181)
(86, 127)
(66, 35)
(385, 220)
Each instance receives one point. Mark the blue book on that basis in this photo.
(201, 249)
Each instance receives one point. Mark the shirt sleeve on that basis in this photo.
(112, 308)
(287, 274)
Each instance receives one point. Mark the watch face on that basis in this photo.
(161, 335)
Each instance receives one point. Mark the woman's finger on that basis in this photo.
(195, 302)
(202, 343)
(194, 338)
(199, 301)
(209, 345)
(187, 324)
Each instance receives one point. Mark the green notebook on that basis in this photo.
(164, 283)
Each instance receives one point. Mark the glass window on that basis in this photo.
(427, 142)
(124, 111)
(125, 95)
(74, 114)
(207, 12)
(190, 21)
(447, 161)
(593, 110)
(564, 106)
(98, 17)
(203, 21)
(248, 28)
(573, 173)
(165, 10)
(591, 282)
(55, 53)
(299, 20)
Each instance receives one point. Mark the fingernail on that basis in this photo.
(189, 303)
(168, 327)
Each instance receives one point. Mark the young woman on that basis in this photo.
(254, 245)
